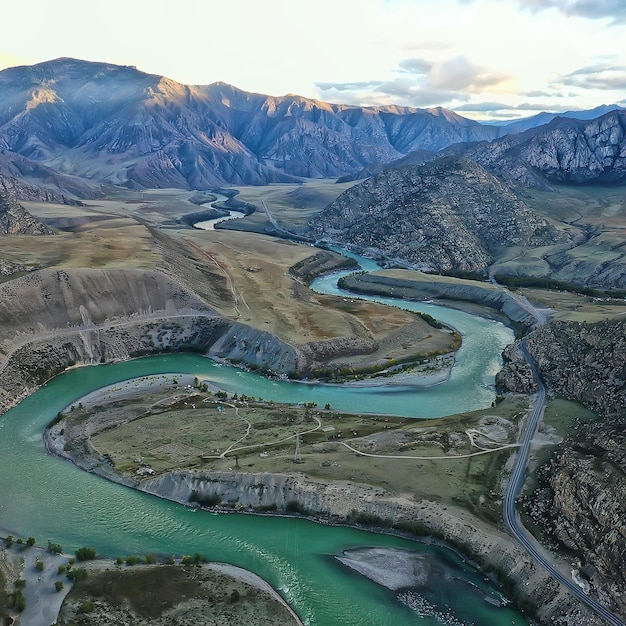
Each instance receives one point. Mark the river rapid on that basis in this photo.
(49, 498)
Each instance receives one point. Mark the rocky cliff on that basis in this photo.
(582, 490)
(348, 502)
(448, 214)
(565, 150)
(52, 319)
(16, 220)
(401, 284)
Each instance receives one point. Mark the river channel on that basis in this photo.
(48, 498)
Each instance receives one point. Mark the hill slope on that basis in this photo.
(448, 214)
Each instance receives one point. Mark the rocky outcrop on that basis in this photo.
(565, 150)
(448, 214)
(582, 490)
(515, 375)
(16, 220)
(584, 362)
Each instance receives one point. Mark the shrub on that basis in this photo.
(85, 554)
(39, 565)
(150, 559)
(76, 574)
(86, 607)
(58, 585)
(30, 542)
(54, 547)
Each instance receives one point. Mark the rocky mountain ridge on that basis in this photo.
(117, 125)
(450, 214)
(70, 125)
(563, 151)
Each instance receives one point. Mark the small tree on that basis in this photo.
(54, 547)
(30, 542)
(85, 554)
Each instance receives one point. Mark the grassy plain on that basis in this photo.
(167, 430)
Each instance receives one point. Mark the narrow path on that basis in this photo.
(447, 457)
(229, 280)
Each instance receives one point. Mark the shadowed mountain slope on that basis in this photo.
(449, 214)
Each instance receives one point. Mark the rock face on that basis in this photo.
(584, 362)
(118, 125)
(16, 220)
(564, 151)
(582, 494)
(448, 214)
(467, 291)
(343, 501)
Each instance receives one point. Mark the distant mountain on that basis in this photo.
(564, 151)
(114, 124)
(450, 214)
(526, 123)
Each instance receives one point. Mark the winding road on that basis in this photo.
(511, 517)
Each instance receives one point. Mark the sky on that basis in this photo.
(485, 59)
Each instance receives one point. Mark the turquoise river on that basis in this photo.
(48, 498)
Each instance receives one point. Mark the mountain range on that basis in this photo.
(69, 126)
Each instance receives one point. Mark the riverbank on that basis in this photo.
(347, 503)
(138, 593)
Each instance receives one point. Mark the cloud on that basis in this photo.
(484, 106)
(598, 76)
(356, 86)
(537, 93)
(614, 10)
(415, 66)
(419, 83)
(490, 107)
(460, 74)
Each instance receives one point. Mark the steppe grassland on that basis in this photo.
(98, 237)
(243, 275)
(293, 205)
(268, 298)
(170, 431)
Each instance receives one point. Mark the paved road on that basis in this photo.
(511, 517)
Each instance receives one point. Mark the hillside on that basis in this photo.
(449, 214)
(582, 489)
(16, 220)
